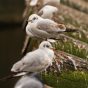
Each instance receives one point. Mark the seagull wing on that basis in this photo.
(36, 62)
(50, 26)
(32, 62)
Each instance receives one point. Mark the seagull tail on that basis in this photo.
(71, 30)
(13, 75)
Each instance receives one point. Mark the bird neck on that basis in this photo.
(49, 52)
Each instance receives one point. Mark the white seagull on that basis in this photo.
(48, 12)
(28, 82)
(39, 27)
(44, 28)
(35, 5)
(37, 60)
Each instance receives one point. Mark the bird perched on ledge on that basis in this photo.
(39, 27)
(48, 12)
(44, 28)
(37, 60)
(36, 5)
(30, 82)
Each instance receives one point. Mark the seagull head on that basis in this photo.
(34, 18)
(45, 44)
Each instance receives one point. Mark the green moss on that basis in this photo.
(69, 47)
(67, 80)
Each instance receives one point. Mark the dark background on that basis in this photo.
(11, 37)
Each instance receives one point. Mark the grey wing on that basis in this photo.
(23, 64)
(17, 66)
(34, 63)
(50, 26)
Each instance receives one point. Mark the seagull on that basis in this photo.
(36, 61)
(35, 5)
(28, 82)
(48, 12)
(39, 27)
(44, 28)
(50, 8)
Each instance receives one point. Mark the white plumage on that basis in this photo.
(36, 61)
(43, 28)
(48, 12)
(28, 82)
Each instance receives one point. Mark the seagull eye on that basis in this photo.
(47, 46)
(35, 18)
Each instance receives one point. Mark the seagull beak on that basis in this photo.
(53, 48)
(29, 20)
